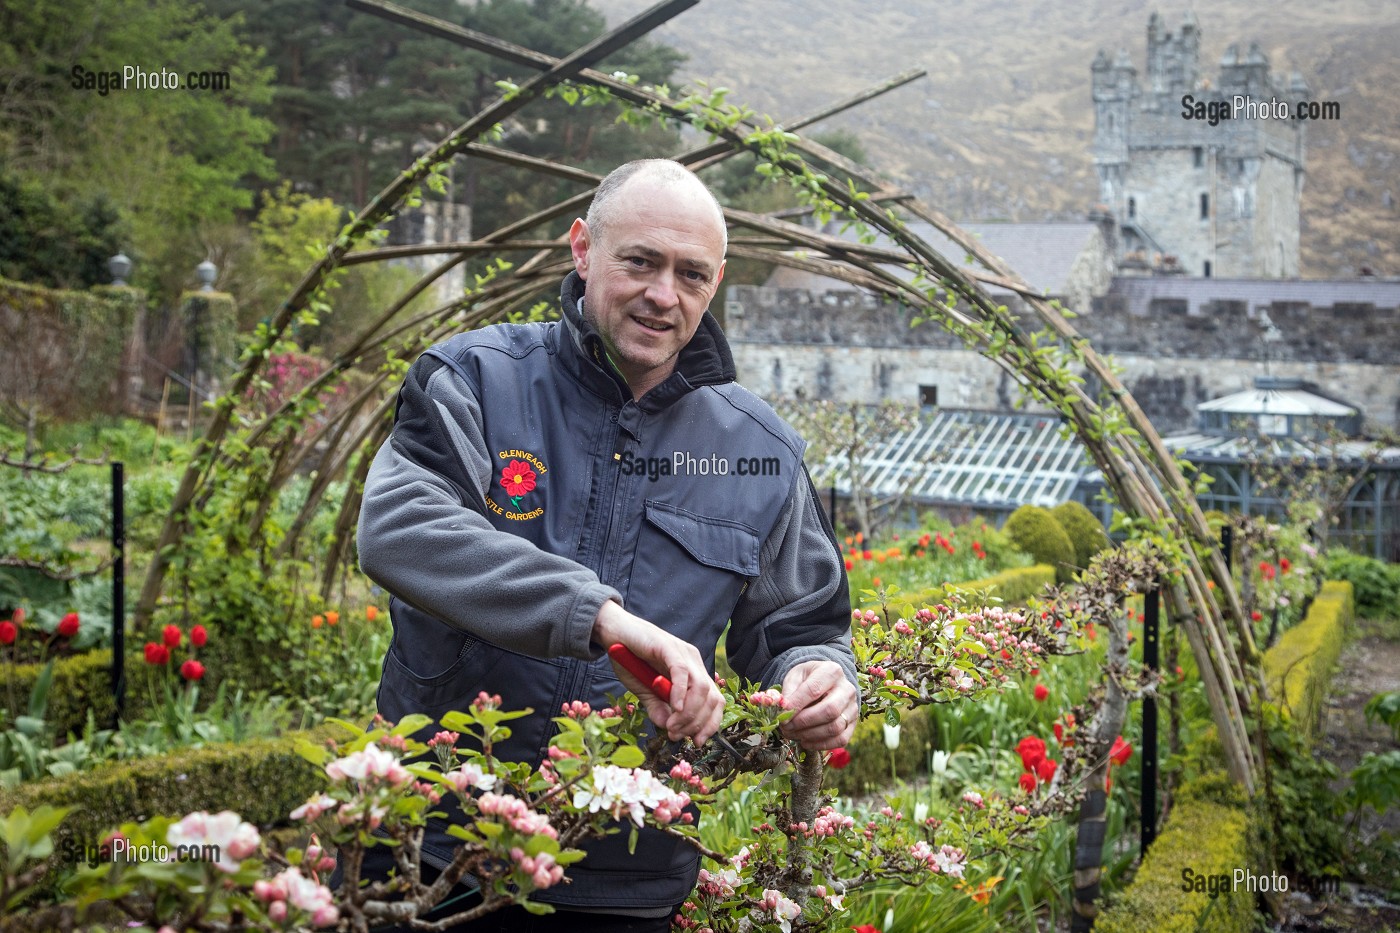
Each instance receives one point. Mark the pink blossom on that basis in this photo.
(232, 838)
(369, 763)
(314, 807)
(469, 775)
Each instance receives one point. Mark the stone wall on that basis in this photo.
(1175, 351)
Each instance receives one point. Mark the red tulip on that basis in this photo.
(1028, 782)
(17, 617)
(156, 654)
(68, 625)
(171, 636)
(199, 636)
(1032, 751)
(1041, 692)
(1120, 752)
(866, 928)
(838, 758)
(1046, 769)
(192, 670)
(8, 632)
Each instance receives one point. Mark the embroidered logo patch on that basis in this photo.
(520, 477)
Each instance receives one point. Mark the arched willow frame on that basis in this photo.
(1145, 478)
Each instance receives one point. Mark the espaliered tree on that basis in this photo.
(242, 463)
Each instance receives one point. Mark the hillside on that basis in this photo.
(1000, 128)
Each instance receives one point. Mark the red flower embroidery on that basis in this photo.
(518, 479)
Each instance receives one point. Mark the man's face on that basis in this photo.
(651, 273)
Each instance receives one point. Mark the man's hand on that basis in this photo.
(696, 705)
(827, 705)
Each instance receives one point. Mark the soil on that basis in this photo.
(1369, 665)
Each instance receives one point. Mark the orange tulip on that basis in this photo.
(371, 613)
(332, 618)
(317, 620)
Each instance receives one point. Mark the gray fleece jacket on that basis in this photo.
(522, 486)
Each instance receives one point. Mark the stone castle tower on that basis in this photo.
(1207, 200)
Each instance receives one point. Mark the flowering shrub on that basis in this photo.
(927, 558)
(524, 826)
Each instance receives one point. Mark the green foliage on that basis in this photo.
(1377, 584)
(75, 343)
(81, 688)
(44, 241)
(1375, 781)
(262, 779)
(1385, 707)
(1301, 821)
(1206, 837)
(1298, 668)
(170, 161)
(1085, 531)
(1035, 531)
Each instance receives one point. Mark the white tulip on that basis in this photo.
(891, 736)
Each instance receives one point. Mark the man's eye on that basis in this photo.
(637, 261)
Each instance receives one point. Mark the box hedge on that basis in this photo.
(263, 780)
(1207, 835)
(1299, 667)
(1209, 829)
(1085, 531)
(81, 683)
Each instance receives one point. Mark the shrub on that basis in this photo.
(1085, 531)
(1376, 583)
(263, 780)
(1298, 668)
(1035, 531)
(1208, 834)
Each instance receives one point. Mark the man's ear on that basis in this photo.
(719, 277)
(579, 241)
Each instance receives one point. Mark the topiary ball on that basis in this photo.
(1035, 531)
(1084, 530)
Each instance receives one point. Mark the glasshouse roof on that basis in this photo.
(977, 458)
(1270, 401)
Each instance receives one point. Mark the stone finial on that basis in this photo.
(120, 267)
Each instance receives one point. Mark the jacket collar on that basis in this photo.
(706, 360)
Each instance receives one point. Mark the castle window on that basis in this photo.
(1206, 270)
(928, 396)
(1132, 207)
(1205, 207)
(1198, 156)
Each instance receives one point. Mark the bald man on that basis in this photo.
(552, 489)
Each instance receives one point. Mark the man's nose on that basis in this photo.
(662, 290)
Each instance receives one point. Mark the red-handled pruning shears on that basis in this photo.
(659, 684)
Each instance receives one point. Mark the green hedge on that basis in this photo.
(263, 780)
(92, 330)
(1208, 833)
(1013, 586)
(81, 683)
(1209, 829)
(1085, 531)
(1299, 667)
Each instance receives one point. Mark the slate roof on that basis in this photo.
(1041, 253)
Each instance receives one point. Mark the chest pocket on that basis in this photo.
(689, 571)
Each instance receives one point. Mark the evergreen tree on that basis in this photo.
(357, 98)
